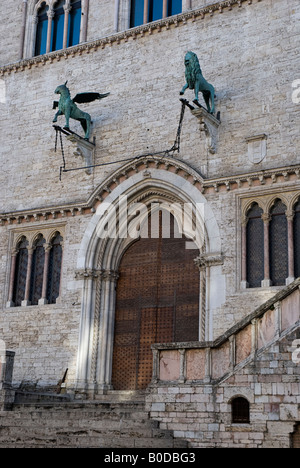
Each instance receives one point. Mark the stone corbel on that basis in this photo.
(209, 259)
(210, 126)
(85, 149)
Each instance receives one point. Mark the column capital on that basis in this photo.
(266, 217)
(290, 214)
(51, 14)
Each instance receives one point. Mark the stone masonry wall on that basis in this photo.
(144, 73)
(201, 413)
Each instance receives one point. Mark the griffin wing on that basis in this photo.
(88, 97)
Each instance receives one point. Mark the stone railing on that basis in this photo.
(209, 362)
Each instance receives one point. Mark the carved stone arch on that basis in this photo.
(273, 200)
(35, 5)
(51, 234)
(35, 238)
(38, 6)
(99, 260)
(293, 202)
(20, 238)
(247, 207)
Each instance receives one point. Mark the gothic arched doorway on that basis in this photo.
(157, 302)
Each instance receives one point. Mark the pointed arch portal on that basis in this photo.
(157, 302)
(139, 290)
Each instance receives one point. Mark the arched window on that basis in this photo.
(42, 30)
(64, 28)
(255, 247)
(20, 272)
(37, 270)
(58, 21)
(146, 11)
(74, 23)
(296, 239)
(54, 273)
(240, 410)
(279, 244)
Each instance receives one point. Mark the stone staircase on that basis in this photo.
(48, 420)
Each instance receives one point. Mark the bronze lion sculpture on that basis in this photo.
(196, 81)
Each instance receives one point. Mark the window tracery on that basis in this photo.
(36, 263)
(146, 11)
(57, 25)
(270, 240)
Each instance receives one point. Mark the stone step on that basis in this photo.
(99, 424)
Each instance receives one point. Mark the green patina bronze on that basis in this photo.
(196, 81)
(68, 108)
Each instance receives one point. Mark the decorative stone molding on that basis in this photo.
(95, 273)
(209, 125)
(206, 186)
(134, 33)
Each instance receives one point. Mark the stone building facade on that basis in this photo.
(72, 298)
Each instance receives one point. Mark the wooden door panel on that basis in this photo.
(157, 302)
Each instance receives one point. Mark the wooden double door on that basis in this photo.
(157, 302)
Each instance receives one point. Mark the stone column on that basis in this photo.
(117, 13)
(84, 21)
(266, 283)
(26, 301)
(202, 265)
(182, 376)
(146, 9)
(106, 332)
(254, 335)
(10, 302)
(208, 370)
(35, 21)
(278, 319)
(67, 9)
(244, 283)
(232, 341)
(23, 30)
(165, 8)
(290, 219)
(49, 32)
(85, 379)
(156, 369)
(113, 278)
(43, 299)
